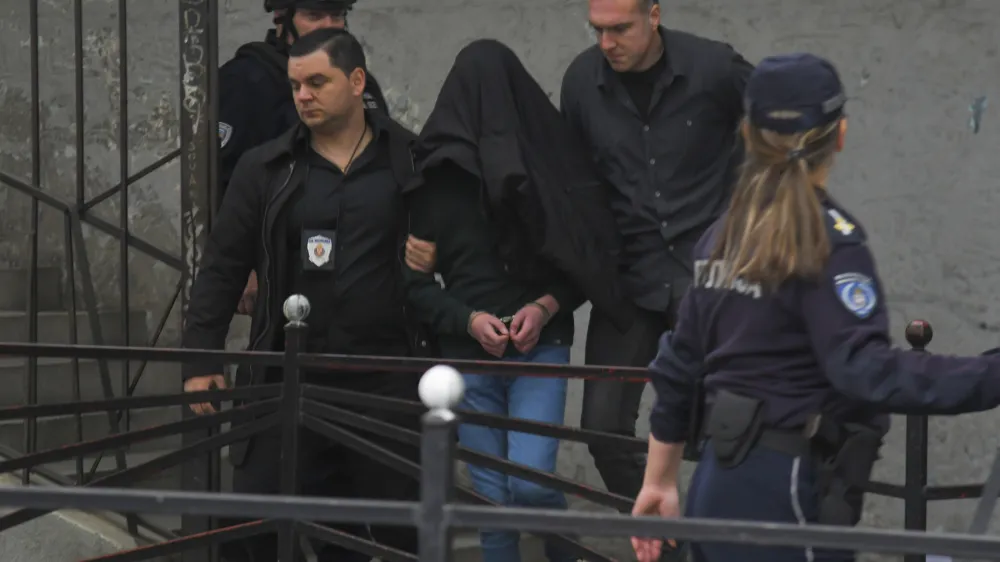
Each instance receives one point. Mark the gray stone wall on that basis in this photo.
(917, 175)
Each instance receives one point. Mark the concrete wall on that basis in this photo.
(916, 174)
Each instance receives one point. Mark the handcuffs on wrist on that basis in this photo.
(545, 311)
(507, 320)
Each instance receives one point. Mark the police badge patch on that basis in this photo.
(319, 248)
(857, 293)
(225, 133)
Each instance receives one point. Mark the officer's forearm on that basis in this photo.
(663, 463)
(865, 367)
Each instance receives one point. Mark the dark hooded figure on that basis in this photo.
(523, 237)
(545, 202)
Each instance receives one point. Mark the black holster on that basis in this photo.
(851, 451)
(734, 425)
(695, 442)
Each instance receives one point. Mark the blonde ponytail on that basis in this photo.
(774, 229)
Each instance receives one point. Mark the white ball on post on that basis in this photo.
(296, 308)
(441, 388)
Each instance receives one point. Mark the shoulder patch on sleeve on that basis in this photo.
(857, 293)
(841, 229)
(225, 133)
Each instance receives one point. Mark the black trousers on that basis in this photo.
(329, 469)
(613, 406)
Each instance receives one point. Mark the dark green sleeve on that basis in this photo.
(433, 305)
(566, 294)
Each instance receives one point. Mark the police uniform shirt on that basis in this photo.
(253, 109)
(772, 346)
(342, 238)
(809, 347)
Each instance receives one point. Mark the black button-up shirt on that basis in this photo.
(359, 305)
(671, 165)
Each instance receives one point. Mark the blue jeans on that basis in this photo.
(540, 399)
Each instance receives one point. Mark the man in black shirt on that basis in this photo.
(316, 212)
(255, 102)
(658, 109)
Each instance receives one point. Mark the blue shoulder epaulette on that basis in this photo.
(841, 229)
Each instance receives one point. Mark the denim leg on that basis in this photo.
(488, 394)
(541, 399)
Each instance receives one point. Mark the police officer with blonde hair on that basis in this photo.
(785, 334)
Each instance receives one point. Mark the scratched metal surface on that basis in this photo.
(919, 170)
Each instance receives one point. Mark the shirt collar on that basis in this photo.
(376, 122)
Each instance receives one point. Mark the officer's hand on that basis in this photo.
(653, 500)
(202, 384)
(526, 327)
(421, 255)
(249, 298)
(490, 332)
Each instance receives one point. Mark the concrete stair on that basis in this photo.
(83, 534)
(54, 327)
(14, 284)
(67, 535)
(55, 380)
(56, 375)
(59, 431)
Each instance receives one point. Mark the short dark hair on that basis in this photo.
(340, 45)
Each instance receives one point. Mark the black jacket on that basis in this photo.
(243, 240)
(246, 237)
(448, 211)
(545, 201)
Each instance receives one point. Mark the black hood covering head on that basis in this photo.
(540, 187)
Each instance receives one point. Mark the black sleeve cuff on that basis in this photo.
(568, 297)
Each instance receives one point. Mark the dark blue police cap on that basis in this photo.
(794, 93)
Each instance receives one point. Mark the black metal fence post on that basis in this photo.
(296, 309)
(441, 389)
(919, 335)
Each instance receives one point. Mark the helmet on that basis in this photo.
(285, 20)
(272, 5)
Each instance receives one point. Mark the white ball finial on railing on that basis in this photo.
(296, 308)
(441, 388)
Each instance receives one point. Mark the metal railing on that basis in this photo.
(294, 405)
